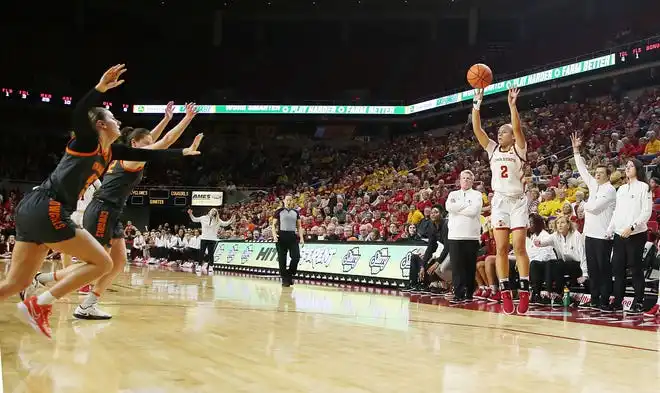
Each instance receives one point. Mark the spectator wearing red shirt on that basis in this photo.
(655, 189)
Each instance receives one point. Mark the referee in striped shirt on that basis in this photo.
(286, 221)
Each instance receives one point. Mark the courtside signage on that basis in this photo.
(353, 110)
(384, 261)
(206, 198)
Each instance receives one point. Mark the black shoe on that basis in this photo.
(535, 299)
(606, 308)
(457, 300)
(587, 306)
(544, 301)
(617, 307)
(636, 308)
(468, 299)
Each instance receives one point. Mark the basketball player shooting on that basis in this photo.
(509, 205)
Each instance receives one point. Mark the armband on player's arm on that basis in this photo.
(477, 99)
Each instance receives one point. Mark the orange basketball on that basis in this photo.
(479, 76)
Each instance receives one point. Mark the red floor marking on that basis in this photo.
(572, 314)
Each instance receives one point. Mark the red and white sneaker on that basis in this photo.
(507, 302)
(479, 293)
(485, 295)
(653, 312)
(85, 289)
(495, 297)
(37, 316)
(523, 302)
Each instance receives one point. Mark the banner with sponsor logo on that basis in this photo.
(207, 198)
(382, 261)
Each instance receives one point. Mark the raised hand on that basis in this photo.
(191, 109)
(576, 141)
(169, 110)
(513, 95)
(110, 78)
(192, 149)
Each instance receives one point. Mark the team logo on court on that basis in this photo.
(350, 260)
(406, 261)
(232, 253)
(246, 254)
(379, 260)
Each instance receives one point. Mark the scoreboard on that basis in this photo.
(175, 197)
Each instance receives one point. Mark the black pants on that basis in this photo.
(463, 259)
(288, 244)
(628, 253)
(549, 275)
(599, 252)
(207, 245)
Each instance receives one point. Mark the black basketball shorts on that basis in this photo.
(41, 219)
(101, 219)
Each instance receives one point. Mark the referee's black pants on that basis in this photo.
(628, 253)
(599, 252)
(288, 243)
(463, 259)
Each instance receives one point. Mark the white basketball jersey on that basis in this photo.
(88, 195)
(508, 169)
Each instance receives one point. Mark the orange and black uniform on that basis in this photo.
(101, 217)
(43, 215)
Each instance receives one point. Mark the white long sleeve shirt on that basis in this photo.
(541, 254)
(634, 205)
(160, 242)
(175, 242)
(464, 208)
(568, 248)
(210, 228)
(598, 209)
(192, 242)
(139, 242)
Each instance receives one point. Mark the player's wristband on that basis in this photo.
(476, 103)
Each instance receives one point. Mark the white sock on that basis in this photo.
(483, 287)
(45, 278)
(90, 300)
(493, 288)
(45, 299)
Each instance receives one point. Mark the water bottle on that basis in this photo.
(566, 300)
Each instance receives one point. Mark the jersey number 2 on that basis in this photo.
(504, 172)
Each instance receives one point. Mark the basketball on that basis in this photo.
(479, 76)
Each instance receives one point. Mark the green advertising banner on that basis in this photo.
(352, 110)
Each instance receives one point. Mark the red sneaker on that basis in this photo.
(486, 294)
(479, 294)
(85, 289)
(37, 316)
(496, 297)
(653, 312)
(523, 302)
(507, 302)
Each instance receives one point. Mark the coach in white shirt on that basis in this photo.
(464, 207)
(598, 212)
(628, 225)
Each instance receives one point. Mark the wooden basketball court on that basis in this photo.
(179, 332)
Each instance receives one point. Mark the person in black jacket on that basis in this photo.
(423, 268)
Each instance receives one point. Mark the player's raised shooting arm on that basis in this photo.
(160, 127)
(174, 134)
(518, 134)
(479, 132)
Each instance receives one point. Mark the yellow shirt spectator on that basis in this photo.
(550, 208)
(652, 147)
(415, 216)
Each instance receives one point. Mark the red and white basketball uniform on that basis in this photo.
(77, 216)
(509, 204)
